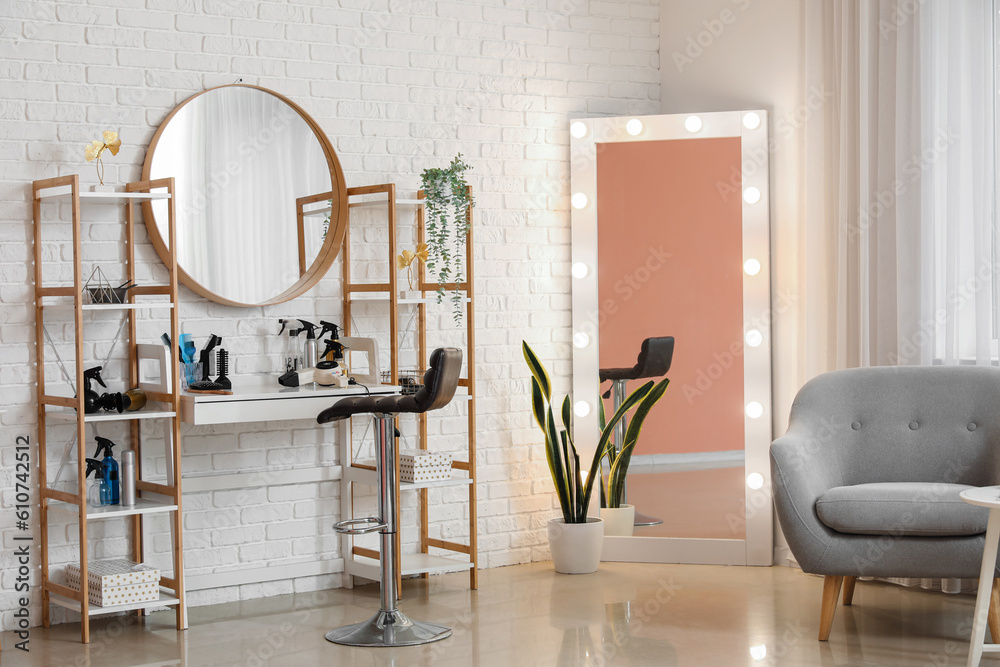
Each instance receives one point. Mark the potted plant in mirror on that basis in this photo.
(619, 518)
(448, 203)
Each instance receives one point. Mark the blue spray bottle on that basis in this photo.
(110, 467)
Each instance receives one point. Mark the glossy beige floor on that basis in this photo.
(626, 614)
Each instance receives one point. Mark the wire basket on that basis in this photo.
(409, 381)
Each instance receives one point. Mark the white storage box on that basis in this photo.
(423, 466)
(116, 581)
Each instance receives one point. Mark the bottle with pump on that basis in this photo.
(110, 471)
(99, 492)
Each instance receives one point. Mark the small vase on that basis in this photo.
(576, 547)
(103, 188)
(409, 295)
(618, 521)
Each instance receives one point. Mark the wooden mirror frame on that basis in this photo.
(338, 214)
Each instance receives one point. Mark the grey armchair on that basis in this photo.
(866, 480)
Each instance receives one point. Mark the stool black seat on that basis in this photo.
(390, 627)
(654, 360)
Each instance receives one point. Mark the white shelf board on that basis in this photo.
(69, 414)
(384, 296)
(109, 306)
(457, 479)
(164, 600)
(65, 193)
(372, 203)
(412, 564)
(382, 203)
(434, 484)
(142, 506)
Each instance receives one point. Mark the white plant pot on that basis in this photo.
(576, 547)
(618, 522)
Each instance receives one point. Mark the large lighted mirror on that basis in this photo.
(670, 242)
(261, 204)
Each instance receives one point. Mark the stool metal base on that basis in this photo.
(388, 628)
(646, 520)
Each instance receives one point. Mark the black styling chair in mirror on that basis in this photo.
(390, 627)
(653, 362)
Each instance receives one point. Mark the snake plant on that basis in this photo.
(564, 463)
(646, 396)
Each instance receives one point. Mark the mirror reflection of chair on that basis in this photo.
(654, 360)
(390, 627)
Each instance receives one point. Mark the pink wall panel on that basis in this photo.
(670, 264)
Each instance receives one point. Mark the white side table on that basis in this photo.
(988, 497)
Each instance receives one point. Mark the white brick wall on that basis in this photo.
(398, 86)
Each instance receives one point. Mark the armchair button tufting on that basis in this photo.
(914, 426)
(856, 426)
(972, 426)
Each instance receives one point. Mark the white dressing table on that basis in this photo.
(260, 399)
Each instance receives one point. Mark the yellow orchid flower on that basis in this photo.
(95, 148)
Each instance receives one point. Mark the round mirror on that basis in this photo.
(260, 199)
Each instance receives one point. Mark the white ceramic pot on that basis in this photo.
(618, 522)
(576, 547)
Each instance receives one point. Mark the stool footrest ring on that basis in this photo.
(367, 525)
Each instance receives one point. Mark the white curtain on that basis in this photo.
(900, 184)
(900, 187)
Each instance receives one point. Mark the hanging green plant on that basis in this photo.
(448, 200)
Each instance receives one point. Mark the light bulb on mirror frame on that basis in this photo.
(581, 408)
(754, 338)
(579, 270)
(578, 130)
(755, 480)
(751, 267)
(751, 120)
(579, 200)
(580, 339)
(692, 124)
(754, 410)
(634, 127)
(751, 195)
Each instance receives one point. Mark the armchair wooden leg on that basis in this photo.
(831, 591)
(993, 619)
(849, 590)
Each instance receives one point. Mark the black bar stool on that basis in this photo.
(654, 361)
(390, 627)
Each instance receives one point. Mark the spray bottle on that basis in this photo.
(310, 352)
(290, 356)
(110, 467)
(334, 331)
(94, 402)
(99, 492)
